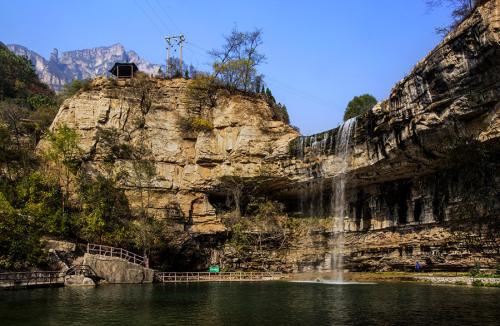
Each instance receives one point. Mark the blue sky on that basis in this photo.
(319, 53)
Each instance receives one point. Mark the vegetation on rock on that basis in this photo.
(195, 124)
(359, 105)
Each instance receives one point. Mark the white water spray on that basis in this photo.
(339, 208)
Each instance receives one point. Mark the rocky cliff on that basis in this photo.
(418, 173)
(150, 116)
(81, 64)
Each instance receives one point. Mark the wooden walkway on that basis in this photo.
(31, 279)
(173, 277)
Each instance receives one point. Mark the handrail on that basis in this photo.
(32, 278)
(81, 270)
(165, 277)
(97, 249)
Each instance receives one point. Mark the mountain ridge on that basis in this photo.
(61, 69)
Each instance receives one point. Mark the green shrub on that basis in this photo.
(475, 270)
(265, 210)
(38, 101)
(200, 124)
(203, 90)
(477, 283)
(19, 239)
(76, 85)
(195, 124)
(359, 105)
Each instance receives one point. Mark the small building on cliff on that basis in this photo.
(124, 70)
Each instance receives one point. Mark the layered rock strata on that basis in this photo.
(422, 173)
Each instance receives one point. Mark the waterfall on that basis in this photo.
(339, 207)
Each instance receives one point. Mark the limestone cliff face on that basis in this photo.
(421, 172)
(148, 115)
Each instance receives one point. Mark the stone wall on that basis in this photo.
(117, 270)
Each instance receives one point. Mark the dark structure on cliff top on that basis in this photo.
(124, 70)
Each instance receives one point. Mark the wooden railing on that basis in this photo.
(97, 249)
(166, 277)
(46, 278)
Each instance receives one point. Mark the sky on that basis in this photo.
(320, 54)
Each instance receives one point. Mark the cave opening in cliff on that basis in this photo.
(310, 199)
(418, 210)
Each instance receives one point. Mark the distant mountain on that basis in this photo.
(81, 64)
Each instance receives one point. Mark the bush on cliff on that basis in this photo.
(74, 87)
(359, 105)
(195, 124)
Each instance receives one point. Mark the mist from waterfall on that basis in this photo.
(339, 207)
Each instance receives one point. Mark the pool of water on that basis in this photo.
(264, 303)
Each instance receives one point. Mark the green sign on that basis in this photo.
(214, 269)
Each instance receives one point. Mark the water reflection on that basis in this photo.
(246, 303)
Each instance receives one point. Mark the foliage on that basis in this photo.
(265, 209)
(475, 270)
(64, 147)
(149, 234)
(143, 90)
(112, 146)
(18, 78)
(175, 71)
(74, 87)
(235, 64)
(19, 242)
(279, 110)
(359, 105)
(105, 210)
(39, 197)
(195, 124)
(485, 284)
(203, 90)
(66, 155)
(38, 101)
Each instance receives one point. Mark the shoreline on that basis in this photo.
(449, 278)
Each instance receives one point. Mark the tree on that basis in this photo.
(72, 88)
(18, 78)
(359, 105)
(460, 10)
(19, 239)
(236, 62)
(105, 209)
(66, 154)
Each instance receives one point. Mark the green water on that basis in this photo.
(266, 303)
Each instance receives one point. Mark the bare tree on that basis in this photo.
(236, 62)
(461, 9)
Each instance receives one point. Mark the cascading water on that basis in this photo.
(338, 142)
(339, 209)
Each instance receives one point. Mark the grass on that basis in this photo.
(483, 284)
